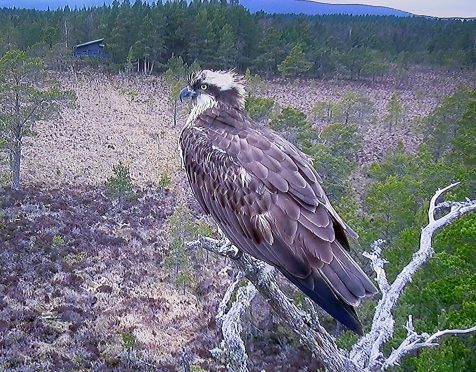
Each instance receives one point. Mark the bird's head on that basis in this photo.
(212, 87)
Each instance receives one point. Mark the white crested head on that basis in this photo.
(223, 86)
(225, 80)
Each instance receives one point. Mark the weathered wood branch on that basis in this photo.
(232, 349)
(314, 337)
(366, 355)
(414, 341)
(367, 352)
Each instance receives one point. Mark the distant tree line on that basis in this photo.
(223, 34)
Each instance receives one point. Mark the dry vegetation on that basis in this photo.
(84, 284)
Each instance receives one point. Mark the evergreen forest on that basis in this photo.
(223, 35)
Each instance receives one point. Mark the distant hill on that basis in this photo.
(268, 6)
(314, 8)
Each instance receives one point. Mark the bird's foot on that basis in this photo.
(230, 251)
(234, 253)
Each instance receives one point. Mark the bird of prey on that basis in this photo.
(266, 197)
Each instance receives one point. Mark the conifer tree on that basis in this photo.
(296, 63)
(394, 115)
(27, 95)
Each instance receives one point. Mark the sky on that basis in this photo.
(435, 8)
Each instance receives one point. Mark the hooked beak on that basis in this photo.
(187, 93)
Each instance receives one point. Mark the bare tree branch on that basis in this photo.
(366, 355)
(314, 337)
(232, 349)
(433, 206)
(367, 352)
(378, 264)
(415, 341)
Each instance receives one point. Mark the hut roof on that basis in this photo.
(89, 42)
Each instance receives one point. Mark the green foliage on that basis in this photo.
(353, 108)
(394, 116)
(463, 145)
(441, 126)
(181, 229)
(129, 341)
(27, 96)
(290, 118)
(346, 340)
(254, 83)
(334, 158)
(58, 241)
(293, 125)
(394, 201)
(176, 76)
(342, 140)
(323, 112)
(442, 294)
(220, 34)
(120, 186)
(165, 181)
(361, 62)
(197, 368)
(296, 63)
(333, 169)
(227, 53)
(259, 108)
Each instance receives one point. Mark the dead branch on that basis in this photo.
(366, 355)
(314, 337)
(232, 349)
(414, 341)
(367, 352)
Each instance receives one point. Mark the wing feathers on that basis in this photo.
(267, 199)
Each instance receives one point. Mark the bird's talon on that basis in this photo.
(234, 253)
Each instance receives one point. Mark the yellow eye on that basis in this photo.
(204, 87)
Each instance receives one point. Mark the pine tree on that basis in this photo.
(181, 229)
(296, 63)
(227, 52)
(27, 95)
(394, 115)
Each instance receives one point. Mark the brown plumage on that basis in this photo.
(266, 197)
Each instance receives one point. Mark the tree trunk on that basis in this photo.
(175, 113)
(18, 132)
(15, 165)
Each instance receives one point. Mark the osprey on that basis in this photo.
(266, 197)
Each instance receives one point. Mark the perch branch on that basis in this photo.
(415, 341)
(314, 337)
(366, 354)
(232, 349)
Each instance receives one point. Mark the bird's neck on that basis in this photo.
(204, 102)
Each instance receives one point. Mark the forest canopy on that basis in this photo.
(221, 34)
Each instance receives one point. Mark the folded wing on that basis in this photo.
(267, 199)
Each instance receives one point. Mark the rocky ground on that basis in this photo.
(83, 284)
